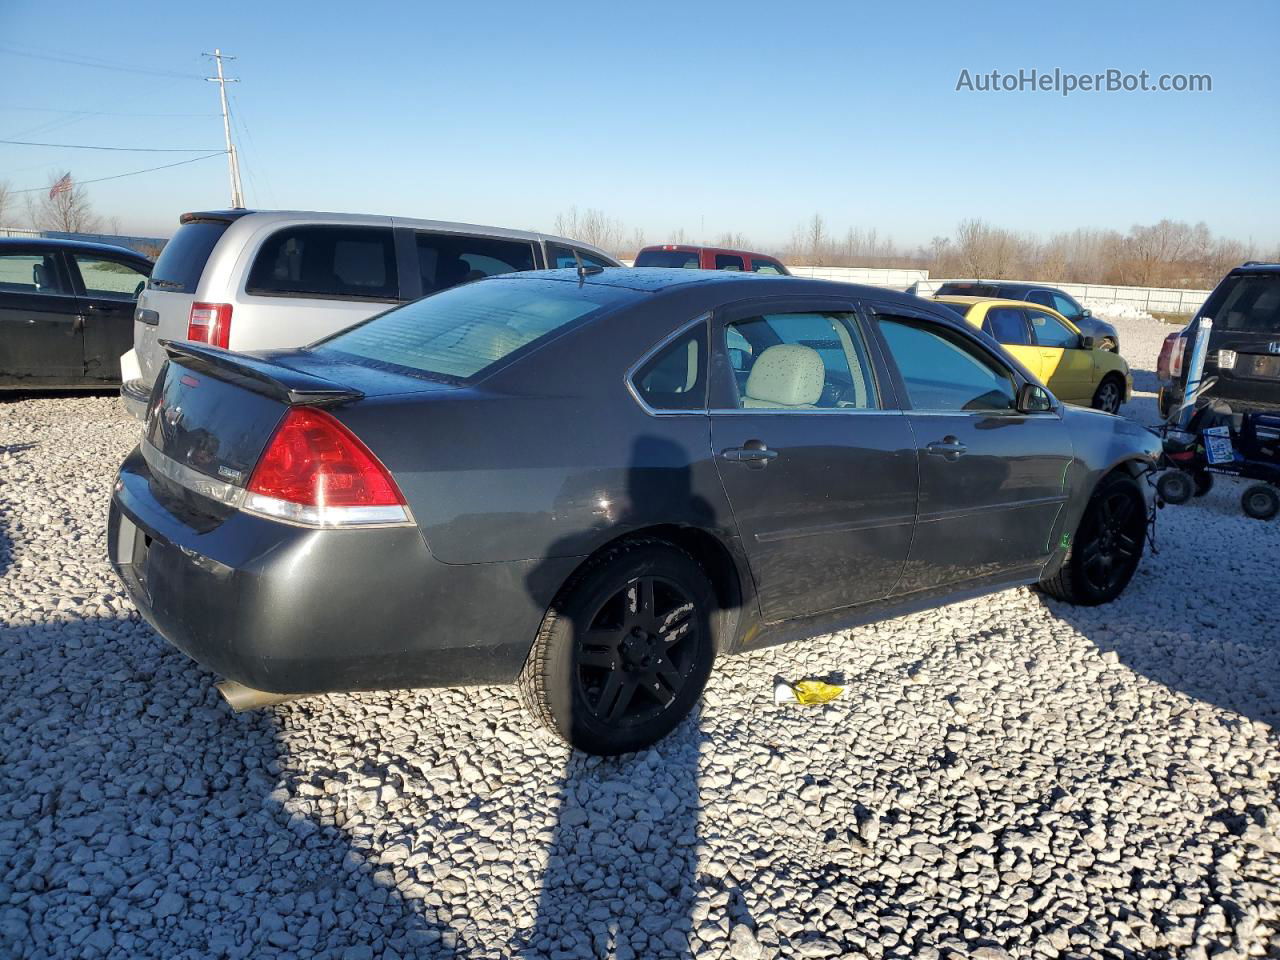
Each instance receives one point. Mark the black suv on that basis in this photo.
(66, 312)
(1104, 334)
(1244, 346)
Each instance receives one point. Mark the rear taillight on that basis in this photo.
(1169, 363)
(210, 323)
(317, 472)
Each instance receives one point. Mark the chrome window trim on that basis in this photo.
(629, 377)
(842, 411)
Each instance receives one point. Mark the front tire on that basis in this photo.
(1107, 546)
(624, 651)
(1109, 395)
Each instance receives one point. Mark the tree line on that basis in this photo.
(1169, 253)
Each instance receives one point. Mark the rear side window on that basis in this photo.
(682, 259)
(728, 261)
(1246, 304)
(1007, 325)
(766, 266)
(183, 258)
(676, 378)
(447, 260)
(562, 257)
(944, 373)
(31, 273)
(350, 263)
(458, 333)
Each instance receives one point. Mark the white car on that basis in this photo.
(256, 280)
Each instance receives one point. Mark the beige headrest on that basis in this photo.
(786, 375)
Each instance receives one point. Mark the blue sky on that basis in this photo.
(708, 117)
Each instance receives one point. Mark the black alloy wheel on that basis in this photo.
(1110, 540)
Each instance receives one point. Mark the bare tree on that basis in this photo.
(6, 195)
(67, 210)
(593, 227)
(816, 240)
(736, 240)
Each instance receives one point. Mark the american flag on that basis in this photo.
(61, 185)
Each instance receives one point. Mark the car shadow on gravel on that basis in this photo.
(165, 815)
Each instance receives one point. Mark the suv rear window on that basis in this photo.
(183, 258)
(967, 290)
(1246, 304)
(348, 263)
(459, 332)
(686, 259)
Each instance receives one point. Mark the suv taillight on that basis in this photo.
(316, 471)
(1169, 363)
(210, 323)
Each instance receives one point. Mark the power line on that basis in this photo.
(87, 146)
(97, 64)
(99, 113)
(131, 173)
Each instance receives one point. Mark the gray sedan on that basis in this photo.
(593, 482)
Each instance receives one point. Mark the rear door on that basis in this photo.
(1010, 327)
(991, 478)
(1066, 367)
(815, 457)
(107, 288)
(41, 333)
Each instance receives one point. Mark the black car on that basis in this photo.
(1104, 334)
(66, 312)
(1243, 355)
(593, 484)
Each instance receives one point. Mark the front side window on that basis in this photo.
(446, 260)
(801, 361)
(766, 266)
(1052, 332)
(675, 378)
(945, 373)
(355, 263)
(1007, 325)
(30, 273)
(457, 334)
(1065, 306)
(1042, 297)
(728, 261)
(110, 279)
(562, 257)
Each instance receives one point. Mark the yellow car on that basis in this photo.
(1053, 348)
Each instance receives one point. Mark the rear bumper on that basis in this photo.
(289, 609)
(135, 394)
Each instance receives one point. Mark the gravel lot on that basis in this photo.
(1008, 777)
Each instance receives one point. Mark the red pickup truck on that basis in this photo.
(708, 258)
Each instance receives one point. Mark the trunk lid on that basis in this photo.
(1244, 347)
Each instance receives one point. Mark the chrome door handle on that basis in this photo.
(948, 447)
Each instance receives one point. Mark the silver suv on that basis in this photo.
(255, 280)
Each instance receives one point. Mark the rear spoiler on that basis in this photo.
(261, 376)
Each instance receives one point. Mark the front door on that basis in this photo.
(992, 480)
(1066, 367)
(817, 462)
(108, 289)
(41, 341)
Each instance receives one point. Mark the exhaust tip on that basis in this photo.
(241, 698)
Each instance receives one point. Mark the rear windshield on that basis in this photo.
(1246, 304)
(967, 290)
(668, 258)
(183, 258)
(459, 332)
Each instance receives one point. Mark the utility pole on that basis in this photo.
(233, 162)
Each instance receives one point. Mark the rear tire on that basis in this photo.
(1107, 546)
(1109, 396)
(624, 650)
(1176, 487)
(1260, 501)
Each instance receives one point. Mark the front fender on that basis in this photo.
(1103, 444)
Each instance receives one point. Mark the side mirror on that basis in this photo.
(1086, 342)
(1086, 312)
(1033, 398)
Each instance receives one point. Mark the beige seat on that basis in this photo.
(787, 376)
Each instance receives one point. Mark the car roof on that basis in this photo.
(699, 248)
(1257, 266)
(376, 220)
(1003, 302)
(85, 246)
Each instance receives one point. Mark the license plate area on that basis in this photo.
(1261, 365)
